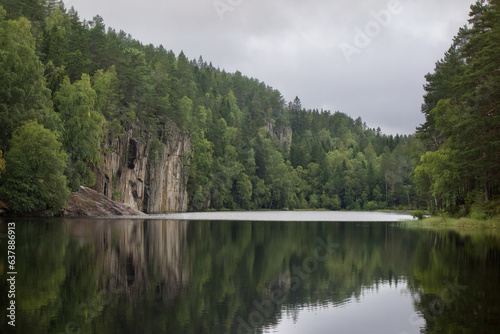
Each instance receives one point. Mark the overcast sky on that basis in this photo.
(365, 58)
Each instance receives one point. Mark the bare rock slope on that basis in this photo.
(88, 202)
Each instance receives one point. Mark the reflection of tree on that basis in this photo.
(236, 265)
(458, 277)
(206, 277)
(81, 271)
(40, 270)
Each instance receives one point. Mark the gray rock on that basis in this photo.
(88, 202)
(148, 177)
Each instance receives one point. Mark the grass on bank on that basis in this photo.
(458, 224)
(481, 215)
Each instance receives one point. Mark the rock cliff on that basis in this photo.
(144, 173)
(284, 134)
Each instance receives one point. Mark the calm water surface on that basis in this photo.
(252, 276)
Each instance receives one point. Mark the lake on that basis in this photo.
(265, 272)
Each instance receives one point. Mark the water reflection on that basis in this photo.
(133, 254)
(386, 307)
(153, 276)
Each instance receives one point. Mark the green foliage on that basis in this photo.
(419, 214)
(34, 177)
(462, 118)
(251, 150)
(371, 206)
(348, 161)
(116, 195)
(106, 87)
(23, 94)
(330, 203)
(439, 177)
(184, 114)
(483, 210)
(83, 129)
(243, 191)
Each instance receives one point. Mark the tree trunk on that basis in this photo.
(486, 191)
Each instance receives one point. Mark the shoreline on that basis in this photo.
(463, 224)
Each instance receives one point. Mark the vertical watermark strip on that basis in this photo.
(11, 280)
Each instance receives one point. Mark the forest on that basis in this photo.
(68, 85)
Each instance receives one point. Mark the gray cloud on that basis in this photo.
(294, 46)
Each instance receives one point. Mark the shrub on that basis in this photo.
(371, 206)
(419, 214)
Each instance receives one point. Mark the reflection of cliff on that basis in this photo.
(137, 256)
(166, 244)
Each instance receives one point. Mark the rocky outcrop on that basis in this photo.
(284, 134)
(88, 202)
(147, 174)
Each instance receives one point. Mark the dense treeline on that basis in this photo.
(75, 83)
(78, 83)
(347, 166)
(461, 170)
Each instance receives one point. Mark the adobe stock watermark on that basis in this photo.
(224, 6)
(437, 306)
(264, 309)
(364, 36)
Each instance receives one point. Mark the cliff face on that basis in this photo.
(283, 134)
(149, 176)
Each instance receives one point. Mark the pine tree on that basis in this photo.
(98, 44)
(464, 110)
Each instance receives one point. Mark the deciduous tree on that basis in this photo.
(34, 177)
(83, 129)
